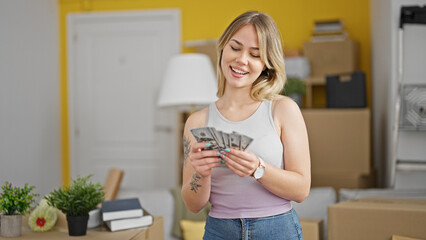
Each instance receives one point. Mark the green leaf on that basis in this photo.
(79, 198)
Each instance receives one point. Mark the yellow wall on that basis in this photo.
(206, 19)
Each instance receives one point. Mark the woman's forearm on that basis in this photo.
(196, 192)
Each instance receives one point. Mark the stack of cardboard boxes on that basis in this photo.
(328, 57)
(340, 144)
(330, 51)
(339, 138)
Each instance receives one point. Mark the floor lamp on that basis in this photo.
(189, 84)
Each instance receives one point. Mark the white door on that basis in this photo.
(115, 69)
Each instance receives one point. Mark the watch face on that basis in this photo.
(259, 172)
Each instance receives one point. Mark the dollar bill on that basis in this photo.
(204, 134)
(225, 137)
(245, 142)
(235, 140)
(219, 135)
(220, 140)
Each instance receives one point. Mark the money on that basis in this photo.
(226, 141)
(235, 140)
(205, 134)
(220, 140)
(245, 141)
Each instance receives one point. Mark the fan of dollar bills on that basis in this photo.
(220, 140)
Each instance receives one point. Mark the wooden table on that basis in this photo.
(153, 232)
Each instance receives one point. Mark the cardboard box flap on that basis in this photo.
(393, 201)
(397, 237)
(388, 203)
(384, 204)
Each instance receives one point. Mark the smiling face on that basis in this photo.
(241, 64)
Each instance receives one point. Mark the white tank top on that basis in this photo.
(233, 196)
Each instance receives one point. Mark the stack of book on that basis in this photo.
(329, 31)
(120, 214)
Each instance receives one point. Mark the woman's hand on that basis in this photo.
(242, 163)
(203, 161)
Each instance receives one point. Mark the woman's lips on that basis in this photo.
(236, 72)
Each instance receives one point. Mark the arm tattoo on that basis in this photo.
(194, 182)
(186, 149)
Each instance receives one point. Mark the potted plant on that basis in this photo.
(76, 201)
(294, 88)
(15, 202)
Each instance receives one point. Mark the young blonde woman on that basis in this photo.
(250, 197)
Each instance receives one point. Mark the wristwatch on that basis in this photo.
(260, 170)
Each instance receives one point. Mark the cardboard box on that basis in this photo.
(289, 53)
(312, 228)
(377, 219)
(332, 57)
(339, 140)
(208, 48)
(113, 183)
(339, 180)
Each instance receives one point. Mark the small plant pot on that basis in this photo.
(77, 225)
(95, 218)
(11, 225)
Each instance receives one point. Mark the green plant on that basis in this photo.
(78, 199)
(294, 85)
(16, 200)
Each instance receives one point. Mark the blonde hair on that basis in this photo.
(271, 81)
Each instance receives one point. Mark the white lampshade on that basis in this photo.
(189, 80)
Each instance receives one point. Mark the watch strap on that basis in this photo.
(261, 165)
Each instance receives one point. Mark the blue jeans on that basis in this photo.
(284, 226)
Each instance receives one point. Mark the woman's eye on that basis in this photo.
(235, 49)
(255, 56)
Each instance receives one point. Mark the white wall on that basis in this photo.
(29, 94)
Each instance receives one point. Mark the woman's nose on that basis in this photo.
(242, 58)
